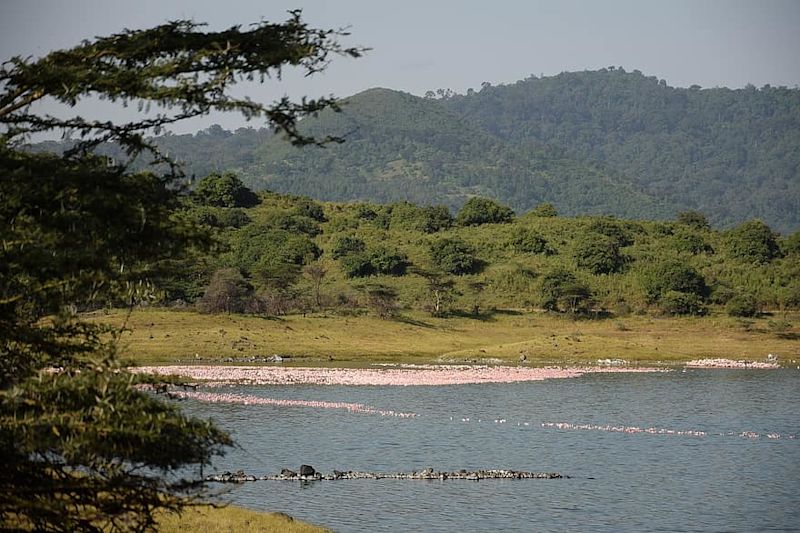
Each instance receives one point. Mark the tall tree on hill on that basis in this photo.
(84, 447)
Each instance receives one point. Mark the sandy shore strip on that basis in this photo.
(420, 375)
(730, 363)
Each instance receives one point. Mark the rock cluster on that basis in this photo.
(308, 473)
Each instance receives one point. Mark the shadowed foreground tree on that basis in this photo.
(85, 447)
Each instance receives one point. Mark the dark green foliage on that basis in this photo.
(228, 292)
(255, 244)
(753, 242)
(357, 265)
(743, 305)
(612, 229)
(223, 190)
(219, 217)
(479, 211)
(309, 208)
(674, 276)
(791, 244)
(429, 219)
(435, 218)
(454, 256)
(693, 219)
(347, 245)
(560, 290)
(690, 242)
(531, 242)
(387, 261)
(598, 254)
(293, 223)
(702, 150)
(84, 448)
(682, 303)
(545, 209)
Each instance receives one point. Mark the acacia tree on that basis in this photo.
(84, 447)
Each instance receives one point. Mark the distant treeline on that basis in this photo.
(278, 254)
(605, 142)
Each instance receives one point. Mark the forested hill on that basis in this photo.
(733, 154)
(402, 147)
(599, 142)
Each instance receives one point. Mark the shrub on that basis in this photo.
(347, 246)
(307, 207)
(562, 291)
(479, 211)
(293, 222)
(545, 209)
(791, 244)
(673, 276)
(254, 242)
(223, 190)
(742, 305)
(598, 254)
(357, 265)
(531, 242)
(682, 303)
(754, 242)
(429, 219)
(693, 219)
(454, 256)
(385, 261)
(611, 229)
(689, 242)
(227, 292)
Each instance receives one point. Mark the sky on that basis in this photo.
(421, 45)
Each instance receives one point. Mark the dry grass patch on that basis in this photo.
(232, 520)
(164, 336)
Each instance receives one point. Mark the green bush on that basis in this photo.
(598, 254)
(611, 229)
(479, 211)
(682, 303)
(454, 256)
(742, 305)
(673, 276)
(544, 209)
(560, 290)
(357, 265)
(309, 208)
(347, 245)
(693, 219)
(754, 242)
(223, 190)
(531, 242)
(389, 262)
(690, 242)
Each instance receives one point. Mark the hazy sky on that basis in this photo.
(419, 45)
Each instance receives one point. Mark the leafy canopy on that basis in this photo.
(85, 448)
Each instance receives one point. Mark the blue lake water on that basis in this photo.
(619, 481)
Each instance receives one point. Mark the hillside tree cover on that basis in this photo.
(596, 142)
(85, 448)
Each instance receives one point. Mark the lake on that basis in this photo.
(719, 477)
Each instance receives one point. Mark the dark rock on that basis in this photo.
(307, 471)
(288, 473)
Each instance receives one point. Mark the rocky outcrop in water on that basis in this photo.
(307, 473)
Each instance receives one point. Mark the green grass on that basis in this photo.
(169, 336)
(234, 520)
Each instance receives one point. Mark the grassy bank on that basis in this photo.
(168, 336)
(234, 520)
